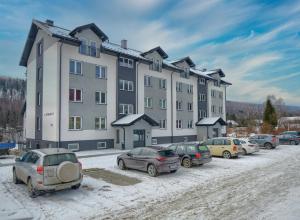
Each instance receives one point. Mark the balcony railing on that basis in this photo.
(89, 50)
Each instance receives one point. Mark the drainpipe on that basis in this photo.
(59, 95)
(123, 148)
(137, 87)
(172, 132)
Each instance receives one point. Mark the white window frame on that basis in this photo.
(178, 86)
(74, 93)
(130, 86)
(190, 124)
(202, 81)
(100, 143)
(190, 104)
(163, 124)
(101, 74)
(202, 97)
(154, 141)
(221, 95)
(126, 62)
(74, 125)
(148, 101)
(179, 105)
(163, 104)
(190, 89)
(74, 144)
(128, 107)
(147, 81)
(100, 123)
(75, 67)
(126, 85)
(162, 83)
(100, 98)
(179, 124)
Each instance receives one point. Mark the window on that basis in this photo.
(190, 89)
(179, 105)
(179, 124)
(156, 65)
(147, 81)
(217, 83)
(213, 93)
(38, 123)
(202, 81)
(181, 149)
(75, 67)
(125, 109)
(93, 49)
(126, 62)
(40, 74)
(213, 108)
(118, 137)
(162, 124)
(220, 109)
(221, 95)
(190, 124)
(190, 106)
(100, 123)
(154, 141)
(38, 101)
(100, 97)
(202, 113)
(73, 147)
(75, 95)
(126, 85)
(163, 103)
(40, 48)
(202, 97)
(101, 72)
(178, 86)
(101, 145)
(148, 102)
(162, 83)
(75, 123)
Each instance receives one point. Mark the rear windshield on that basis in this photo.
(203, 148)
(56, 159)
(166, 153)
(243, 142)
(236, 142)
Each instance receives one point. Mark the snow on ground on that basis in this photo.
(97, 198)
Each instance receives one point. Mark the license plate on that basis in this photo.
(173, 167)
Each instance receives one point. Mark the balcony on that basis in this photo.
(89, 50)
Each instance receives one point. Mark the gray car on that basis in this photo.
(48, 169)
(265, 140)
(153, 160)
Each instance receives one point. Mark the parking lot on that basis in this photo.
(261, 185)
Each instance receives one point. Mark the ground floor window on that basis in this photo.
(75, 123)
(101, 145)
(73, 146)
(100, 123)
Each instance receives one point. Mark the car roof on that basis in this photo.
(52, 151)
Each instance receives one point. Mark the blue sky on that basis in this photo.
(256, 43)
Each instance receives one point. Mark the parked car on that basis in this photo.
(265, 140)
(154, 160)
(224, 147)
(49, 169)
(249, 147)
(295, 133)
(192, 153)
(288, 139)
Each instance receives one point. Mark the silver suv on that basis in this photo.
(49, 169)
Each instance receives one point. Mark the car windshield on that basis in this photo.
(236, 142)
(242, 142)
(203, 148)
(166, 153)
(56, 159)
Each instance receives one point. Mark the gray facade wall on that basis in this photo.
(176, 139)
(202, 105)
(39, 89)
(126, 97)
(156, 93)
(217, 102)
(185, 98)
(89, 84)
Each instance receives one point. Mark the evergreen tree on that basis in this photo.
(270, 116)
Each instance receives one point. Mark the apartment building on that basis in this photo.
(84, 92)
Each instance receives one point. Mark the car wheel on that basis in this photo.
(293, 142)
(186, 162)
(121, 164)
(244, 152)
(152, 170)
(226, 154)
(15, 178)
(173, 171)
(31, 191)
(268, 145)
(76, 186)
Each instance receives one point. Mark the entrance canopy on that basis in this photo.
(210, 121)
(129, 120)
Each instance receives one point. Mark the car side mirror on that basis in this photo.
(129, 154)
(18, 159)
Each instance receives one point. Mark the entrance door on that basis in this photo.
(215, 132)
(138, 138)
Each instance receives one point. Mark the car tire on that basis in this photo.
(268, 145)
(76, 186)
(226, 154)
(186, 162)
(121, 164)
(244, 152)
(173, 171)
(31, 190)
(15, 178)
(152, 170)
(293, 143)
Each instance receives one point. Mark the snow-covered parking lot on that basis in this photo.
(265, 185)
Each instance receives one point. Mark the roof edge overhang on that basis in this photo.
(162, 53)
(94, 28)
(144, 117)
(219, 120)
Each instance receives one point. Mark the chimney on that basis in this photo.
(124, 44)
(49, 22)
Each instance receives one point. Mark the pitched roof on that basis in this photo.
(93, 27)
(187, 59)
(200, 73)
(219, 71)
(163, 54)
(210, 121)
(132, 118)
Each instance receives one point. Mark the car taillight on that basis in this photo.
(198, 155)
(251, 145)
(161, 159)
(234, 148)
(40, 169)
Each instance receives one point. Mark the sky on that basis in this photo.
(255, 43)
